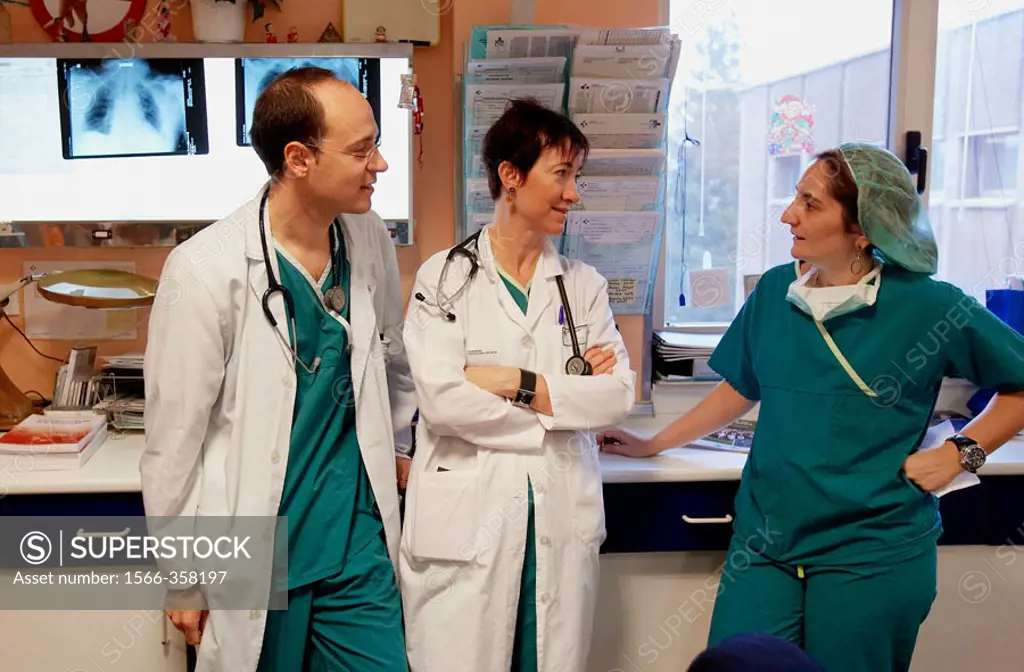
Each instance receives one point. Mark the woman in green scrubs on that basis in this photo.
(834, 543)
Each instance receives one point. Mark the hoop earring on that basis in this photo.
(857, 267)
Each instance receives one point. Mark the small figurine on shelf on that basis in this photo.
(381, 34)
(293, 35)
(271, 35)
(330, 34)
(163, 24)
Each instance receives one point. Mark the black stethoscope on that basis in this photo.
(334, 297)
(576, 365)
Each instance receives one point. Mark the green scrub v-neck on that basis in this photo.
(327, 497)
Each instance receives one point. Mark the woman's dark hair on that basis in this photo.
(841, 186)
(523, 132)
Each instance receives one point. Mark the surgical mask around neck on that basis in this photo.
(823, 303)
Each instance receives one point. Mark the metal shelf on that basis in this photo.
(129, 49)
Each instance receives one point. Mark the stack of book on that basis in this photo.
(52, 442)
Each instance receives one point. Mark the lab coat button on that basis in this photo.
(544, 598)
(275, 457)
(526, 340)
(253, 615)
(544, 541)
(539, 489)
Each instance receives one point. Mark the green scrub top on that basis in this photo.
(524, 642)
(823, 482)
(327, 497)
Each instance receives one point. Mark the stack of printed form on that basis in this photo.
(619, 86)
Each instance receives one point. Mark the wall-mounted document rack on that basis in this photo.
(615, 85)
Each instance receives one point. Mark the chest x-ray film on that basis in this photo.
(132, 107)
(253, 75)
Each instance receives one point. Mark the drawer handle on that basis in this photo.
(83, 533)
(727, 518)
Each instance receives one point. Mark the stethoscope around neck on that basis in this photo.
(334, 297)
(576, 365)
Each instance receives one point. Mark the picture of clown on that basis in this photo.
(791, 126)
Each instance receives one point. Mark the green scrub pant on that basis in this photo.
(351, 621)
(524, 647)
(856, 618)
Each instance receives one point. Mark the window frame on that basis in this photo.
(915, 29)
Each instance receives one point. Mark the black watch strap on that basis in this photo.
(527, 388)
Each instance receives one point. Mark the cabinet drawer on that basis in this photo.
(1005, 500)
(74, 504)
(649, 517)
(110, 514)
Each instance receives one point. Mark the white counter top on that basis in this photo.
(115, 466)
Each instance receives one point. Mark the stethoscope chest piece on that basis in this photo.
(577, 366)
(335, 299)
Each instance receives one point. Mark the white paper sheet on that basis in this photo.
(518, 70)
(48, 320)
(655, 35)
(622, 61)
(622, 131)
(623, 194)
(617, 96)
(623, 162)
(934, 438)
(478, 195)
(620, 246)
(530, 43)
(487, 102)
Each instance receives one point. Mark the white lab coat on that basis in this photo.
(465, 526)
(220, 390)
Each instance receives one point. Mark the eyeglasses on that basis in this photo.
(363, 156)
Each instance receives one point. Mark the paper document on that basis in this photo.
(624, 194)
(530, 43)
(475, 167)
(476, 221)
(934, 438)
(617, 96)
(620, 246)
(622, 131)
(487, 102)
(622, 61)
(624, 162)
(625, 36)
(48, 320)
(518, 70)
(736, 437)
(478, 195)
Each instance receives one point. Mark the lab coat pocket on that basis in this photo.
(446, 516)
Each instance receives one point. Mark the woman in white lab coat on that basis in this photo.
(504, 519)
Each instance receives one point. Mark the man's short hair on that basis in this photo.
(289, 111)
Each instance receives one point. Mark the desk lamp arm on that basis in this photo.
(7, 291)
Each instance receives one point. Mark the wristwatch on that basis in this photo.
(972, 456)
(527, 389)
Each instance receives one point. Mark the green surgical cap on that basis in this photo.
(889, 208)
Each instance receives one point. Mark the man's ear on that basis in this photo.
(297, 159)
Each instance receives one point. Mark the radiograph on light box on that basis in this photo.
(159, 140)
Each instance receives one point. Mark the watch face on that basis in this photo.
(972, 457)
